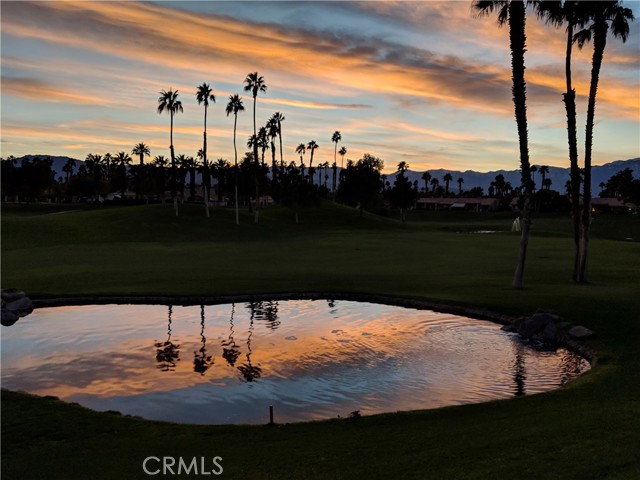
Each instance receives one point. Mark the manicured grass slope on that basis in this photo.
(588, 429)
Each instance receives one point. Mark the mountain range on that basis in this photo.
(471, 178)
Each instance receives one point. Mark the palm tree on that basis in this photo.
(460, 182)
(571, 13)
(342, 152)
(426, 176)
(312, 145)
(513, 13)
(300, 150)
(434, 183)
(263, 142)
(68, 169)
(279, 118)
(234, 106)
(122, 159)
(272, 133)
(160, 163)
(93, 163)
(255, 84)
(447, 178)
(543, 170)
(605, 16)
(141, 150)
(168, 101)
(204, 94)
(335, 138)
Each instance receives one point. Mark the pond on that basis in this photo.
(308, 359)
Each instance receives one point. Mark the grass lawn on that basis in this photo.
(589, 429)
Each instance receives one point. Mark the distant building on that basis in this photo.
(457, 203)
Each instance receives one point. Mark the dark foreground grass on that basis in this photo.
(589, 429)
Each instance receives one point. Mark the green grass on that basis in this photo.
(588, 429)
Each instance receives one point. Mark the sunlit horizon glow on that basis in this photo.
(428, 83)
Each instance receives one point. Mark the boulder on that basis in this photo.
(579, 331)
(8, 317)
(550, 333)
(11, 295)
(21, 307)
(536, 323)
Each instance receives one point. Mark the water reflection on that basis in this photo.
(266, 312)
(167, 353)
(249, 371)
(519, 370)
(201, 361)
(311, 360)
(230, 350)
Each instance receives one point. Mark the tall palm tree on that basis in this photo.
(94, 165)
(234, 106)
(426, 176)
(122, 159)
(160, 163)
(543, 170)
(512, 12)
(254, 83)
(342, 152)
(204, 95)
(168, 102)
(263, 142)
(141, 150)
(279, 118)
(605, 16)
(300, 150)
(68, 168)
(572, 14)
(272, 133)
(335, 138)
(447, 178)
(312, 145)
(434, 183)
(460, 182)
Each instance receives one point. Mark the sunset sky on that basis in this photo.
(428, 83)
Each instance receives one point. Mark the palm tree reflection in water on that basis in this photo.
(267, 311)
(230, 351)
(167, 353)
(519, 370)
(249, 371)
(201, 361)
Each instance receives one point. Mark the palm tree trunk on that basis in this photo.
(173, 172)
(205, 171)
(599, 44)
(517, 39)
(569, 99)
(257, 163)
(235, 150)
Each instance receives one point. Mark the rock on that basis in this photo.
(11, 295)
(535, 324)
(8, 317)
(563, 325)
(21, 307)
(579, 331)
(550, 333)
(509, 327)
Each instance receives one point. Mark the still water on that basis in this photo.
(309, 359)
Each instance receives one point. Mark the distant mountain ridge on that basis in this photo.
(558, 175)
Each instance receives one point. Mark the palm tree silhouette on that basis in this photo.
(234, 106)
(249, 371)
(460, 182)
(605, 16)
(513, 13)
(168, 101)
(312, 145)
(167, 353)
(543, 170)
(141, 150)
(342, 152)
(201, 361)
(263, 142)
(572, 13)
(447, 178)
(68, 168)
(204, 94)
(434, 183)
(93, 163)
(426, 176)
(272, 134)
(301, 149)
(335, 138)
(230, 350)
(123, 160)
(254, 83)
(279, 118)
